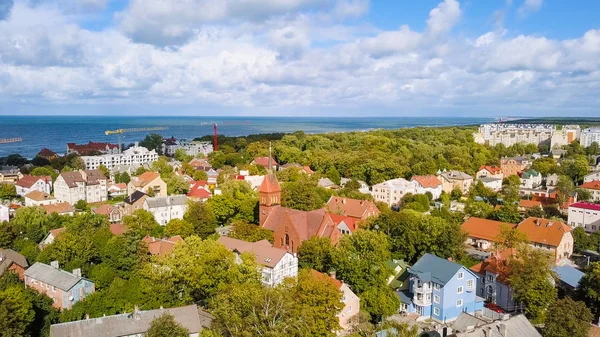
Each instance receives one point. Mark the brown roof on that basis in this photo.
(591, 185)
(548, 232)
(496, 264)
(60, 208)
(39, 196)
(104, 209)
(594, 331)
(349, 207)
(491, 169)
(57, 231)
(429, 181)
(45, 152)
(265, 253)
(308, 170)
(270, 184)
(264, 161)
(117, 228)
(74, 177)
(161, 246)
(483, 228)
(121, 186)
(145, 178)
(28, 180)
(8, 257)
(85, 149)
(337, 283)
(530, 204)
(351, 222)
(305, 223)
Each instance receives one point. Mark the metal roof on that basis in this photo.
(432, 268)
(59, 278)
(172, 200)
(569, 275)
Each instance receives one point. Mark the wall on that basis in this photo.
(450, 310)
(351, 307)
(586, 218)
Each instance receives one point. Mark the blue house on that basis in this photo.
(440, 289)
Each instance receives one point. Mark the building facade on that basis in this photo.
(92, 148)
(37, 198)
(4, 213)
(429, 183)
(510, 134)
(34, 183)
(148, 182)
(589, 136)
(136, 155)
(392, 191)
(585, 215)
(514, 165)
(531, 179)
(88, 185)
(191, 148)
(486, 171)
(455, 180)
(492, 283)
(594, 188)
(551, 235)
(166, 208)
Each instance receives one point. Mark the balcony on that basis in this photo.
(422, 300)
(423, 289)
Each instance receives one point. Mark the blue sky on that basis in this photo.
(300, 57)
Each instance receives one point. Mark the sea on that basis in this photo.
(54, 132)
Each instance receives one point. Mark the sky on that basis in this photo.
(300, 57)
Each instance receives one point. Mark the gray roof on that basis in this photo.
(465, 320)
(569, 275)
(515, 326)
(489, 179)
(432, 268)
(135, 323)
(8, 257)
(326, 182)
(59, 278)
(172, 200)
(134, 197)
(456, 175)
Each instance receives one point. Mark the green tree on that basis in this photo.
(380, 301)
(179, 227)
(545, 165)
(303, 195)
(564, 187)
(576, 167)
(142, 222)
(44, 171)
(581, 241)
(243, 230)
(176, 185)
(316, 253)
(16, 312)
(479, 209)
(8, 191)
(162, 166)
(123, 177)
(509, 237)
(583, 194)
(333, 175)
(200, 175)
(568, 318)
(182, 156)
(82, 206)
(104, 170)
(153, 142)
(31, 222)
(589, 287)
(201, 216)
(166, 326)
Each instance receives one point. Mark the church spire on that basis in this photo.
(270, 160)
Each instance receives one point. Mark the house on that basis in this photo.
(517, 326)
(34, 183)
(117, 190)
(550, 235)
(327, 183)
(483, 233)
(199, 191)
(593, 187)
(455, 180)
(486, 171)
(253, 181)
(349, 314)
(364, 187)
(112, 212)
(61, 208)
(92, 148)
(552, 180)
(304, 169)
(64, 288)
(212, 177)
(440, 290)
(568, 277)
(392, 191)
(10, 174)
(399, 274)
(134, 324)
(591, 177)
(51, 236)
(586, 215)
(191, 148)
(88, 185)
(135, 155)
(200, 164)
(166, 208)
(531, 179)
(514, 165)
(494, 184)
(37, 198)
(4, 213)
(492, 281)
(557, 153)
(359, 209)
(161, 247)
(13, 262)
(277, 263)
(134, 202)
(47, 154)
(525, 205)
(146, 182)
(429, 183)
(117, 229)
(266, 162)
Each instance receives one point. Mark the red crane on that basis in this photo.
(215, 145)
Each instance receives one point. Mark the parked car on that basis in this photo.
(494, 307)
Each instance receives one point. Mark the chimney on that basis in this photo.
(502, 329)
(77, 272)
(344, 201)
(87, 316)
(487, 331)
(54, 264)
(136, 313)
(332, 274)
(450, 259)
(537, 222)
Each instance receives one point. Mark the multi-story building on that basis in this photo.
(88, 185)
(392, 191)
(12, 262)
(148, 182)
(514, 165)
(593, 187)
(37, 198)
(565, 136)
(592, 177)
(166, 208)
(455, 180)
(531, 179)
(133, 202)
(492, 283)
(92, 148)
(191, 148)
(349, 314)
(429, 183)
(483, 233)
(277, 263)
(586, 215)
(510, 134)
(136, 155)
(34, 183)
(551, 235)
(486, 171)
(64, 288)
(10, 174)
(4, 213)
(353, 208)
(589, 136)
(440, 289)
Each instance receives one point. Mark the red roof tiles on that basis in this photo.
(351, 207)
(591, 185)
(491, 169)
(429, 181)
(161, 247)
(270, 184)
(28, 180)
(544, 231)
(483, 228)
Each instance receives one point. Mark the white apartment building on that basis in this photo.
(34, 183)
(588, 136)
(166, 208)
(392, 191)
(88, 185)
(531, 179)
(594, 176)
(191, 148)
(565, 136)
(4, 213)
(586, 215)
(136, 155)
(510, 134)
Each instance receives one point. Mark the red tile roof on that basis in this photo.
(337, 283)
(350, 207)
(161, 247)
(591, 185)
(199, 191)
(264, 161)
(85, 149)
(263, 251)
(586, 205)
(38, 196)
(56, 232)
(270, 184)
(491, 169)
(145, 178)
(351, 222)
(308, 170)
(45, 152)
(60, 208)
(496, 264)
(120, 186)
(104, 209)
(544, 231)
(530, 204)
(117, 228)
(28, 180)
(429, 181)
(483, 228)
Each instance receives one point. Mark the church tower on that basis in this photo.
(269, 194)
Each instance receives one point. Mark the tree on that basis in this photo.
(44, 171)
(182, 156)
(565, 188)
(201, 216)
(179, 227)
(200, 175)
(142, 222)
(589, 287)
(8, 191)
(509, 237)
(16, 312)
(567, 318)
(583, 194)
(333, 175)
(166, 326)
(123, 177)
(153, 142)
(380, 301)
(104, 170)
(593, 149)
(82, 205)
(581, 241)
(316, 253)
(303, 195)
(243, 230)
(478, 209)
(32, 222)
(176, 185)
(576, 167)
(545, 166)
(162, 166)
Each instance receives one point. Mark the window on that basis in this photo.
(436, 286)
(470, 284)
(459, 290)
(436, 299)
(490, 278)
(459, 303)
(436, 311)
(461, 275)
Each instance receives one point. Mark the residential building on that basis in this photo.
(440, 290)
(326, 183)
(34, 183)
(10, 174)
(254, 181)
(348, 317)
(134, 324)
(353, 208)
(455, 180)
(199, 191)
(495, 184)
(392, 191)
(88, 185)
(161, 247)
(37, 198)
(47, 154)
(166, 208)
(568, 278)
(277, 263)
(586, 215)
(492, 280)
(134, 202)
(552, 180)
(61, 208)
(594, 176)
(117, 229)
(565, 136)
(486, 171)
(510, 134)
(483, 233)
(513, 326)
(136, 155)
(429, 183)
(92, 149)
(4, 213)
(551, 235)
(364, 187)
(525, 205)
(531, 179)
(589, 136)
(51, 236)
(593, 187)
(200, 164)
(114, 213)
(304, 169)
(13, 262)
(117, 190)
(265, 162)
(148, 181)
(513, 165)
(64, 288)
(191, 148)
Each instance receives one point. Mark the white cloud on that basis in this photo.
(530, 6)
(351, 8)
(444, 17)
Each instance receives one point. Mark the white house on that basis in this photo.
(586, 215)
(531, 179)
(277, 263)
(495, 184)
(34, 183)
(4, 213)
(88, 185)
(594, 176)
(392, 191)
(136, 155)
(166, 208)
(429, 184)
(552, 179)
(364, 187)
(191, 148)
(37, 198)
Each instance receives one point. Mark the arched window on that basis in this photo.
(287, 239)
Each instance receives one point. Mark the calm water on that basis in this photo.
(54, 132)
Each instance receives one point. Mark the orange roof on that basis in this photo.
(530, 204)
(591, 185)
(56, 232)
(264, 253)
(121, 186)
(264, 161)
(337, 283)
(350, 207)
(544, 231)
(483, 228)
(308, 170)
(60, 208)
(429, 181)
(270, 184)
(117, 228)
(39, 196)
(161, 246)
(496, 264)
(104, 209)
(491, 169)
(28, 180)
(145, 178)
(349, 221)
(199, 191)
